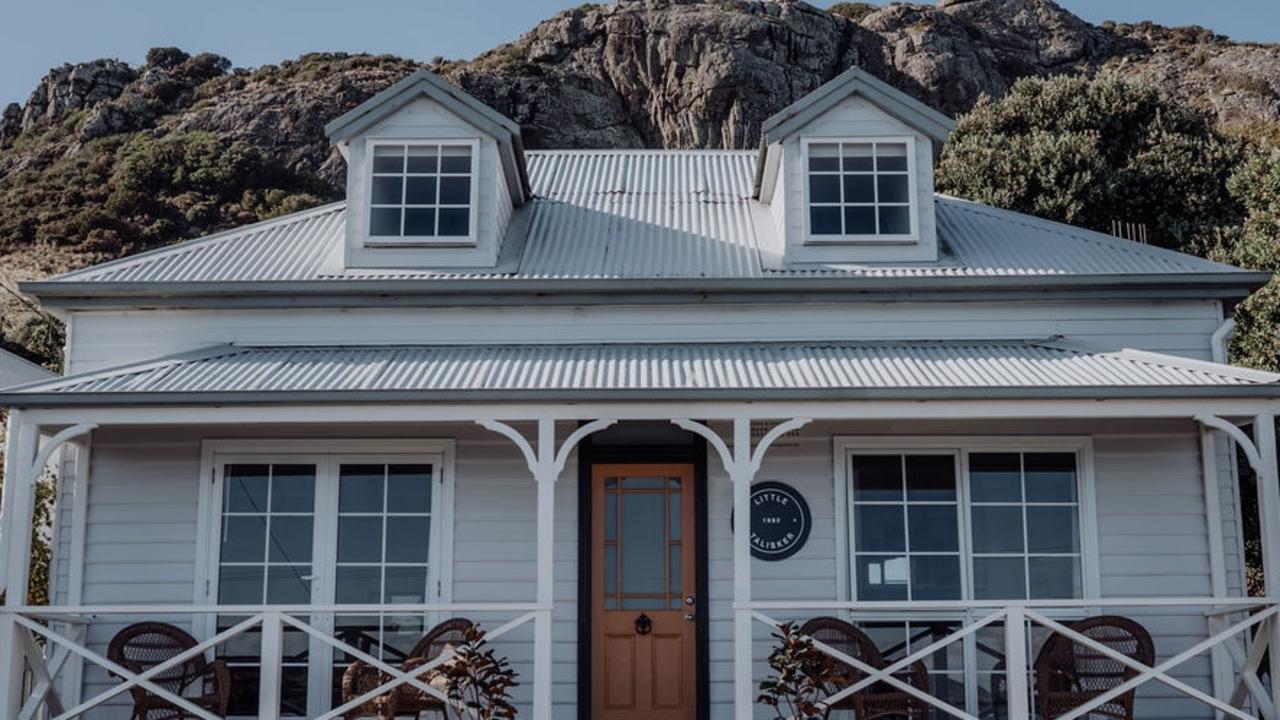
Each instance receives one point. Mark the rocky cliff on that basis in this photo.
(74, 159)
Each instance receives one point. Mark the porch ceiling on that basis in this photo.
(746, 371)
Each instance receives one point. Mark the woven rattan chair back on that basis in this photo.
(442, 637)
(1069, 674)
(142, 646)
(361, 678)
(880, 700)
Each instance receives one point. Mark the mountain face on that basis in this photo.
(637, 73)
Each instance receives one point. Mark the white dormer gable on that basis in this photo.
(433, 177)
(846, 173)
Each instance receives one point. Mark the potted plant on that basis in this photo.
(803, 677)
(478, 682)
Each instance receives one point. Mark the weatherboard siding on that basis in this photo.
(102, 339)
(1152, 532)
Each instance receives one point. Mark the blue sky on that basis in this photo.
(39, 34)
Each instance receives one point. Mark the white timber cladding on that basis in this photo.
(855, 120)
(109, 338)
(424, 121)
(1151, 540)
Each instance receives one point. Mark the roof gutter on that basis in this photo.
(569, 395)
(604, 291)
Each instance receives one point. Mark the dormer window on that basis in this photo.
(422, 193)
(860, 190)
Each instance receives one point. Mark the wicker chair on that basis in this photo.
(142, 646)
(880, 700)
(360, 677)
(1069, 675)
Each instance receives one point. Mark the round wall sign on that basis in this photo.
(780, 521)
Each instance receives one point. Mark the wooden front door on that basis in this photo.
(643, 553)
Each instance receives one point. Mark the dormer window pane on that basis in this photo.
(891, 157)
(825, 220)
(859, 189)
(455, 160)
(420, 191)
(895, 220)
(454, 222)
(824, 188)
(857, 157)
(387, 190)
(384, 222)
(455, 190)
(388, 159)
(419, 221)
(892, 188)
(423, 158)
(824, 157)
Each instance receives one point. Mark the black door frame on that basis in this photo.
(590, 454)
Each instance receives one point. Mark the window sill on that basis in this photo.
(838, 240)
(419, 242)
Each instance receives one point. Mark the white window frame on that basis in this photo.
(327, 455)
(845, 446)
(913, 201)
(400, 241)
(962, 446)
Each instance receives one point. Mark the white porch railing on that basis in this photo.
(1239, 632)
(49, 637)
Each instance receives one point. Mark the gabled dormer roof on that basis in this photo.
(424, 83)
(856, 81)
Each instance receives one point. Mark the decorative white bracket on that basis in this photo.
(546, 462)
(1242, 439)
(742, 462)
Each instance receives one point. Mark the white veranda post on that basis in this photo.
(1260, 450)
(546, 462)
(25, 459)
(741, 463)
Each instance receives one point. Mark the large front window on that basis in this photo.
(352, 530)
(1021, 511)
(421, 191)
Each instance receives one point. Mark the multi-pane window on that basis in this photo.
(384, 531)
(420, 191)
(859, 189)
(353, 530)
(265, 557)
(906, 533)
(1026, 525)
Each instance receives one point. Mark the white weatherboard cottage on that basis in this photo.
(532, 388)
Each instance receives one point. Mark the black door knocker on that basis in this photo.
(644, 625)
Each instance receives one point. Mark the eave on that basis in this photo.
(648, 291)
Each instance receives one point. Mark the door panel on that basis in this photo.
(643, 604)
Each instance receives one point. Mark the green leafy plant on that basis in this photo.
(803, 676)
(478, 682)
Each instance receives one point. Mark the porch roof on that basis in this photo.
(731, 371)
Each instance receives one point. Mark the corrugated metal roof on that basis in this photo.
(1041, 366)
(651, 214)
